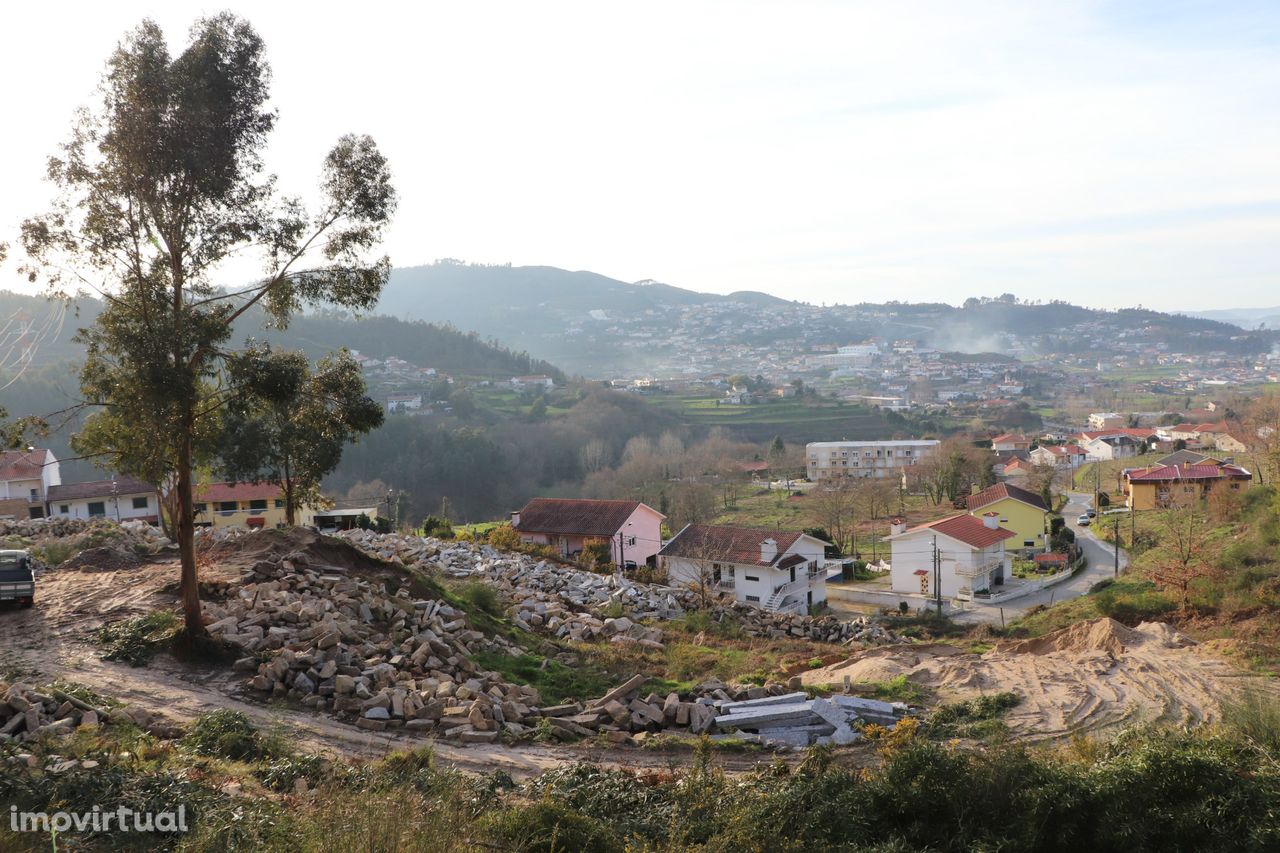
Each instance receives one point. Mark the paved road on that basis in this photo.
(1101, 565)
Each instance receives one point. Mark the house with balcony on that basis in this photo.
(774, 570)
(244, 505)
(25, 479)
(119, 499)
(632, 529)
(970, 551)
(1164, 486)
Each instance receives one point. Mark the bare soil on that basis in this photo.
(1088, 678)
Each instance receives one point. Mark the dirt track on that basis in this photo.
(1089, 678)
(55, 640)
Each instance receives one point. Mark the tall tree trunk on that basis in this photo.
(288, 502)
(186, 530)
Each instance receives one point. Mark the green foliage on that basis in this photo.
(231, 735)
(287, 423)
(434, 525)
(483, 597)
(135, 641)
(548, 827)
(1134, 602)
(969, 718)
(555, 682)
(1255, 716)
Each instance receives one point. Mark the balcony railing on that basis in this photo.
(969, 571)
(727, 584)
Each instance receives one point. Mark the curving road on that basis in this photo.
(1101, 565)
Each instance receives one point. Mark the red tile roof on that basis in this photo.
(1000, 491)
(22, 464)
(1008, 437)
(1170, 473)
(575, 517)
(100, 489)
(965, 528)
(1064, 449)
(217, 492)
(731, 544)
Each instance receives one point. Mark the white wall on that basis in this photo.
(79, 508)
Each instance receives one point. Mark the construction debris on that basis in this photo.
(567, 603)
(27, 714)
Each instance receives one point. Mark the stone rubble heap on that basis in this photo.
(339, 642)
(567, 602)
(26, 714)
(134, 535)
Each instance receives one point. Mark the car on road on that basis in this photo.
(1092, 513)
(17, 580)
(1083, 520)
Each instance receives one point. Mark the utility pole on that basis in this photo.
(937, 576)
(1116, 546)
(1097, 485)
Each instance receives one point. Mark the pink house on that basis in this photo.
(633, 529)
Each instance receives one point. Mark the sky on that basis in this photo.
(1107, 153)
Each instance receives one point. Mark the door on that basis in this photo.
(793, 574)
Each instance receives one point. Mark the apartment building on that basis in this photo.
(879, 459)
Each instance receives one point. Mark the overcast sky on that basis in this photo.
(1109, 153)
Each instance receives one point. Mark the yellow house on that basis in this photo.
(1021, 512)
(1165, 486)
(244, 505)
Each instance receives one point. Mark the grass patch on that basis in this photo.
(555, 682)
(232, 735)
(976, 718)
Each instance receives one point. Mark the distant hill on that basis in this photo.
(1245, 318)
(45, 330)
(510, 302)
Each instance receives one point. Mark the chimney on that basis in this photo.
(768, 550)
(897, 525)
(515, 519)
(991, 519)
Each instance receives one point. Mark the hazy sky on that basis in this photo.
(1109, 153)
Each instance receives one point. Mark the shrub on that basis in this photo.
(135, 641)
(434, 525)
(483, 597)
(549, 827)
(231, 735)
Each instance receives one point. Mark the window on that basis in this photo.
(201, 507)
(140, 503)
(750, 578)
(228, 506)
(279, 503)
(753, 598)
(1028, 543)
(97, 509)
(631, 540)
(258, 506)
(64, 509)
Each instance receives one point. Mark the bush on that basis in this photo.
(231, 735)
(483, 597)
(549, 827)
(135, 641)
(434, 525)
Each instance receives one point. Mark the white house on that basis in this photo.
(970, 550)
(537, 381)
(121, 499)
(404, 402)
(765, 568)
(1059, 455)
(25, 478)
(880, 459)
(1113, 446)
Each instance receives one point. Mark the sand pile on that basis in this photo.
(1085, 678)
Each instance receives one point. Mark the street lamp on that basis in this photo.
(115, 497)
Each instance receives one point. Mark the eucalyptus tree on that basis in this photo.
(161, 182)
(286, 423)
